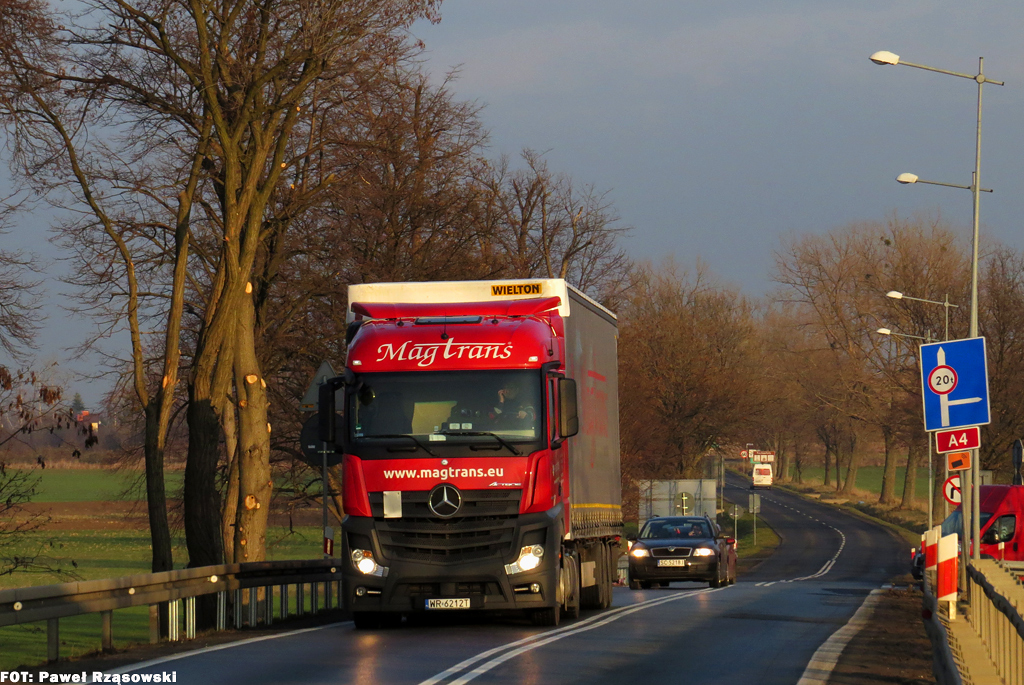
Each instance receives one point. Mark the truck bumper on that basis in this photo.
(408, 585)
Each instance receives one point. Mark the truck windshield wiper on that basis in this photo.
(504, 443)
(410, 437)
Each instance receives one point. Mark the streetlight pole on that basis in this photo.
(972, 493)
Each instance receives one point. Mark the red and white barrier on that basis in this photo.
(931, 547)
(946, 585)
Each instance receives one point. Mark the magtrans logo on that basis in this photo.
(517, 289)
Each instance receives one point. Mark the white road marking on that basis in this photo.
(216, 648)
(827, 656)
(533, 642)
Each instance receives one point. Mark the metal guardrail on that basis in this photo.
(997, 617)
(255, 586)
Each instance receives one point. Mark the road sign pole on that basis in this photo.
(931, 483)
(325, 493)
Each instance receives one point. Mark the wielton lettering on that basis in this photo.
(523, 289)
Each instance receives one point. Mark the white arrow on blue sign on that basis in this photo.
(954, 384)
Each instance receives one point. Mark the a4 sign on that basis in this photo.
(958, 439)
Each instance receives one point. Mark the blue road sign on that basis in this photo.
(954, 384)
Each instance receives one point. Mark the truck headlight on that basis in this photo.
(529, 559)
(366, 564)
(639, 551)
(703, 552)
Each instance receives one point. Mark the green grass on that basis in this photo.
(870, 478)
(95, 485)
(105, 554)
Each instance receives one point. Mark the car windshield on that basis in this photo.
(675, 528)
(436, 407)
(954, 523)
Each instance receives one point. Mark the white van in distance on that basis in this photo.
(762, 477)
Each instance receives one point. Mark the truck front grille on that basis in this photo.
(483, 528)
(671, 552)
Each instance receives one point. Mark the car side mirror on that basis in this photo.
(569, 422)
(990, 537)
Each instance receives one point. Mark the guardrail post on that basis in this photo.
(285, 589)
(327, 594)
(300, 599)
(222, 610)
(174, 620)
(238, 609)
(268, 605)
(314, 597)
(252, 607)
(107, 630)
(154, 624)
(190, 618)
(341, 601)
(52, 639)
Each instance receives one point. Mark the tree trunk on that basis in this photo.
(156, 493)
(852, 464)
(888, 495)
(910, 479)
(229, 503)
(798, 463)
(828, 451)
(254, 483)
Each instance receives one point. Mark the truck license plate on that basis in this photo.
(671, 562)
(455, 603)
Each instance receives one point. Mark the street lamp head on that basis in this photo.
(894, 294)
(884, 331)
(906, 178)
(884, 57)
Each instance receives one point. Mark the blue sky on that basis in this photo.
(722, 127)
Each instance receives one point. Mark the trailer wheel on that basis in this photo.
(605, 582)
(547, 617)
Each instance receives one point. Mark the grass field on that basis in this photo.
(96, 485)
(870, 478)
(105, 554)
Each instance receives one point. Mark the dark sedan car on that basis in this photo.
(681, 548)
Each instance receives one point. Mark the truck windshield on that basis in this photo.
(449, 406)
(954, 523)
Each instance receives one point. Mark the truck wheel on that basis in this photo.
(366, 620)
(547, 617)
(572, 586)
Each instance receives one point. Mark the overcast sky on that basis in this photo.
(721, 127)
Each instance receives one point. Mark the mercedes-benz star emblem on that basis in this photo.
(445, 501)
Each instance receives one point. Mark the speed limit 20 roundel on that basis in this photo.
(942, 380)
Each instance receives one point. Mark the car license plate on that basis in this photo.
(454, 603)
(671, 562)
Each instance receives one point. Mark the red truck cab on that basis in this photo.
(465, 485)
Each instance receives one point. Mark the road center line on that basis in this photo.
(526, 644)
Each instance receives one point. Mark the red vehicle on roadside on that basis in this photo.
(1001, 524)
(481, 450)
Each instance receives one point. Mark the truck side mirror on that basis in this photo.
(326, 409)
(569, 421)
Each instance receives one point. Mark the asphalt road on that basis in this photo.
(764, 629)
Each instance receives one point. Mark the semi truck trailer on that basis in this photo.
(478, 427)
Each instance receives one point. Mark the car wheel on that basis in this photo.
(645, 585)
(634, 584)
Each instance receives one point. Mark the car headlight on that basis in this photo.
(366, 564)
(529, 558)
(703, 552)
(639, 551)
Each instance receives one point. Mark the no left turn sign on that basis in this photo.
(951, 489)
